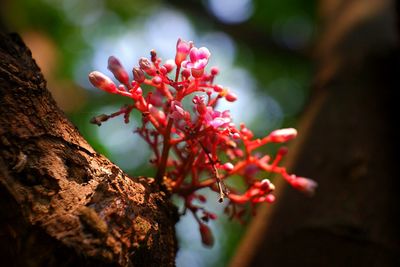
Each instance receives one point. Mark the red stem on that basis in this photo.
(165, 151)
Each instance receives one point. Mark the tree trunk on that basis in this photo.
(61, 203)
(350, 148)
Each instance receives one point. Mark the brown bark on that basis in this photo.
(350, 148)
(61, 203)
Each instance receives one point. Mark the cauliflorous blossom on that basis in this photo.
(197, 146)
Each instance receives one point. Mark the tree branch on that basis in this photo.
(63, 204)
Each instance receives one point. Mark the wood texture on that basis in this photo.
(61, 203)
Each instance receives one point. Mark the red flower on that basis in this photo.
(190, 145)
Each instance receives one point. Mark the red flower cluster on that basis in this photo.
(200, 146)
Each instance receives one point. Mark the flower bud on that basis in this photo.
(207, 237)
(200, 105)
(231, 97)
(218, 88)
(228, 166)
(214, 71)
(159, 115)
(270, 198)
(153, 55)
(102, 82)
(163, 70)
(282, 135)
(182, 50)
(156, 80)
(147, 66)
(144, 63)
(115, 66)
(177, 112)
(304, 185)
(185, 73)
(138, 75)
(236, 136)
(155, 98)
(266, 185)
(169, 65)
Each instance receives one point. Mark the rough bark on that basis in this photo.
(350, 148)
(61, 203)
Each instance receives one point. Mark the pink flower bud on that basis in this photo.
(139, 91)
(304, 185)
(200, 105)
(158, 114)
(185, 73)
(266, 185)
(182, 50)
(218, 88)
(231, 97)
(270, 198)
(214, 71)
(236, 136)
(102, 82)
(157, 80)
(115, 66)
(147, 66)
(206, 77)
(163, 70)
(207, 237)
(169, 65)
(177, 112)
(228, 166)
(153, 55)
(156, 98)
(138, 75)
(282, 135)
(144, 63)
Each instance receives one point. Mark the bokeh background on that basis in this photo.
(261, 47)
